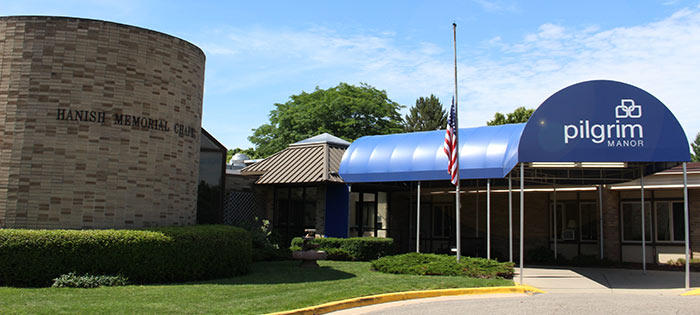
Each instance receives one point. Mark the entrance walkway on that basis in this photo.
(606, 280)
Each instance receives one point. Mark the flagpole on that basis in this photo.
(457, 192)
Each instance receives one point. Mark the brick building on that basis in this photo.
(99, 125)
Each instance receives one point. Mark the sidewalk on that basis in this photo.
(606, 280)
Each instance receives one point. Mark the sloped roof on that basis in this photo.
(312, 160)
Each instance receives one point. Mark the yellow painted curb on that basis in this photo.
(691, 292)
(400, 296)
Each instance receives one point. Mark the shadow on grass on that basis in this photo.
(283, 272)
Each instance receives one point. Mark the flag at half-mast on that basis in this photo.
(450, 145)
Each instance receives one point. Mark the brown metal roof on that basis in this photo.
(313, 163)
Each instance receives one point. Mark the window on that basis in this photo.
(574, 221)
(670, 222)
(442, 221)
(632, 221)
(589, 221)
(294, 211)
(368, 214)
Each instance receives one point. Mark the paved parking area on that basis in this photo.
(607, 280)
(568, 291)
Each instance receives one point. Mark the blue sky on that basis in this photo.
(510, 53)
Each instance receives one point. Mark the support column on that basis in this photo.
(522, 216)
(644, 238)
(600, 208)
(418, 220)
(510, 217)
(488, 218)
(687, 227)
(555, 219)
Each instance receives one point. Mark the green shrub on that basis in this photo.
(354, 248)
(72, 280)
(443, 265)
(170, 254)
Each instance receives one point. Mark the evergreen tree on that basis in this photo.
(695, 155)
(426, 115)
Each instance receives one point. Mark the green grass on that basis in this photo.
(270, 287)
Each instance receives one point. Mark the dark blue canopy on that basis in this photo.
(593, 121)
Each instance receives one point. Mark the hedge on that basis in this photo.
(443, 265)
(160, 255)
(354, 248)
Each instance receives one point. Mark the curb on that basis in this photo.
(400, 296)
(691, 293)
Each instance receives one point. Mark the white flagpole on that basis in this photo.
(457, 193)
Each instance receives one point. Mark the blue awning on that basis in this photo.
(592, 121)
(485, 152)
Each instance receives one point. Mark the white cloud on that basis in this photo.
(660, 57)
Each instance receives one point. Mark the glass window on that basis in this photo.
(310, 208)
(670, 222)
(442, 221)
(678, 221)
(589, 221)
(632, 221)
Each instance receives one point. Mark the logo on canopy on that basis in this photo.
(613, 135)
(628, 109)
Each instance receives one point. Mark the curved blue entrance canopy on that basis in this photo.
(603, 121)
(485, 152)
(593, 121)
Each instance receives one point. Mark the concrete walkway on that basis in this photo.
(606, 280)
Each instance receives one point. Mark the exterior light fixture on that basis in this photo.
(578, 164)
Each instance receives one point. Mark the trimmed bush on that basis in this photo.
(354, 248)
(72, 280)
(443, 265)
(170, 254)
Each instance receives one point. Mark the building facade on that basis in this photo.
(99, 125)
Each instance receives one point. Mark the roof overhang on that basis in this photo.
(593, 121)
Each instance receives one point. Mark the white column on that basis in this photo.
(644, 238)
(555, 220)
(418, 221)
(600, 208)
(510, 218)
(687, 227)
(522, 210)
(488, 218)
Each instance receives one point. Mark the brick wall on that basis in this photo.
(99, 125)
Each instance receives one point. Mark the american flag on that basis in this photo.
(450, 145)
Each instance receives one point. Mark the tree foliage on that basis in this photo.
(345, 111)
(695, 155)
(426, 115)
(519, 115)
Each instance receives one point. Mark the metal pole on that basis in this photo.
(418, 221)
(687, 227)
(457, 195)
(522, 207)
(488, 218)
(555, 220)
(644, 238)
(510, 217)
(476, 211)
(600, 208)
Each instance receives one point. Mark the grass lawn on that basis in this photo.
(270, 287)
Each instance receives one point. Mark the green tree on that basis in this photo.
(519, 115)
(345, 111)
(426, 115)
(695, 155)
(250, 152)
